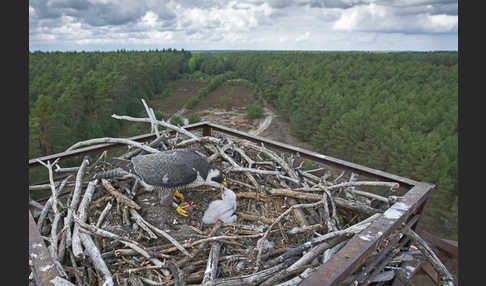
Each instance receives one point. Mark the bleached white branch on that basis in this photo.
(112, 140)
(160, 122)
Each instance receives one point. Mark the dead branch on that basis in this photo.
(57, 214)
(119, 196)
(48, 204)
(356, 228)
(251, 170)
(75, 199)
(314, 252)
(254, 217)
(212, 264)
(95, 257)
(103, 214)
(272, 156)
(297, 230)
(151, 115)
(160, 122)
(83, 215)
(112, 140)
(201, 140)
(142, 223)
(253, 195)
(137, 216)
(391, 185)
(281, 275)
(296, 280)
(445, 276)
(343, 203)
(234, 164)
(259, 247)
(252, 279)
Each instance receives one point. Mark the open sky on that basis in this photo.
(104, 25)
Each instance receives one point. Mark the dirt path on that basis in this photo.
(263, 124)
(232, 114)
(279, 130)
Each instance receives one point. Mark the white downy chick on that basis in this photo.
(221, 209)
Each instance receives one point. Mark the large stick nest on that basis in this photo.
(290, 219)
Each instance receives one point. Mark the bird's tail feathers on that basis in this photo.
(113, 173)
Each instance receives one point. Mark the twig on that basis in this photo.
(296, 280)
(391, 185)
(139, 269)
(202, 244)
(254, 217)
(95, 257)
(343, 203)
(253, 195)
(252, 279)
(152, 118)
(235, 165)
(282, 274)
(75, 266)
(48, 204)
(48, 186)
(356, 228)
(160, 122)
(57, 214)
(66, 170)
(103, 214)
(260, 246)
(133, 153)
(142, 223)
(252, 170)
(137, 216)
(272, 157)
(86, 228)
(297, 230)
(201, 140)
(314, 252)
(119, 196)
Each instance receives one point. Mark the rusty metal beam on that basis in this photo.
(358, 249)
(430, 271)
(42, 263)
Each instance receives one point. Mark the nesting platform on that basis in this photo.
(302, 218)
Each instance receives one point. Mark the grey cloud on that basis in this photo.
(42, 11)
(341, 4)
(100, 14)
(191, 31)
(433, 7)
(202, 4)
(447, 9)
(69, 4)
(280, 3)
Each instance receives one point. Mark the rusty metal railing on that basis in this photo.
(357, 250)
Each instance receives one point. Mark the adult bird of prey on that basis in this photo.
(169, 171)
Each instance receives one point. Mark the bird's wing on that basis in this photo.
(166, 170)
